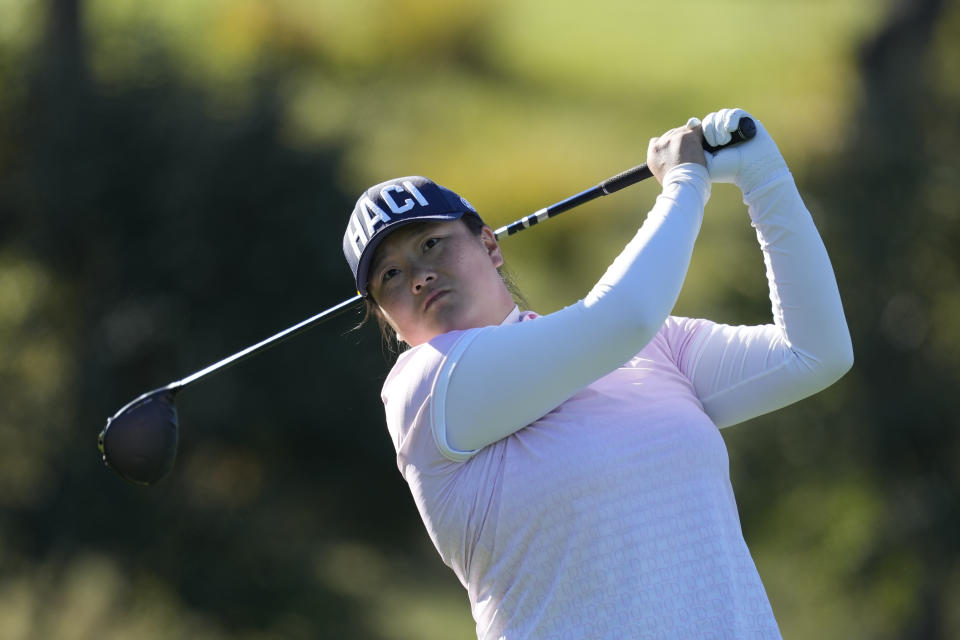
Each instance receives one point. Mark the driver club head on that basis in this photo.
(140, 441)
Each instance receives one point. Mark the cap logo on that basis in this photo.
(407, 203)
(369, 216)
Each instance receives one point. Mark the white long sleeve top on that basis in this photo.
(569, 468)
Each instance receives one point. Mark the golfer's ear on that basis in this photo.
(489, 241)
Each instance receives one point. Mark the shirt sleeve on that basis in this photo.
(740, 372)
(497, 380)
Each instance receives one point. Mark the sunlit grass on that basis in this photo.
(789, 62)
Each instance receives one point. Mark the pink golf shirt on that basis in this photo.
(602, 507)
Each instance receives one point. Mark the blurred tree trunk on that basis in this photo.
(64, 42)
(893, 63)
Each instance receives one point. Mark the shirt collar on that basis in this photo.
(512, 317)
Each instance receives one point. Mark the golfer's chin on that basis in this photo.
(444, 317)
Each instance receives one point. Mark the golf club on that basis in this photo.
(140, 441)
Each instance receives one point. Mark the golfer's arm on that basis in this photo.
(499, 379)
(743, 372)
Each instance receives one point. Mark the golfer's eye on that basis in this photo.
(430, 243)
(388, 273)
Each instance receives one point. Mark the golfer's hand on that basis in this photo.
(676, 146)
(749, 164)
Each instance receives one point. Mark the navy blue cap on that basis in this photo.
(385, 207)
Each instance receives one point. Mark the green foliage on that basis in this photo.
(152, 234)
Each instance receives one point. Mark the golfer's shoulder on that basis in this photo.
(417, 368)
(409, 388)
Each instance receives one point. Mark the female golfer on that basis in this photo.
(568, 467)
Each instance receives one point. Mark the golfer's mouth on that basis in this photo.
(433, 297)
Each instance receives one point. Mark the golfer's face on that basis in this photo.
(437, 277)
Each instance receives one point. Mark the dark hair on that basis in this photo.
(372, 310)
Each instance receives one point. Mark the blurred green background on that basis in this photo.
(174, 183)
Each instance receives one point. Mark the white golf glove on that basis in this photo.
(748, 164)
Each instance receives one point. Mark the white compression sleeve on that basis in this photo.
(743, 372)
(500, 379)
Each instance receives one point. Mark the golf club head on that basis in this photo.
(140, 441)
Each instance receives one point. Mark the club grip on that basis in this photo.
(625, 179)
(746, 129)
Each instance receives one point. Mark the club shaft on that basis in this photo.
(273, 340)
(608, 186)
(746, 129)
(622, 180)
